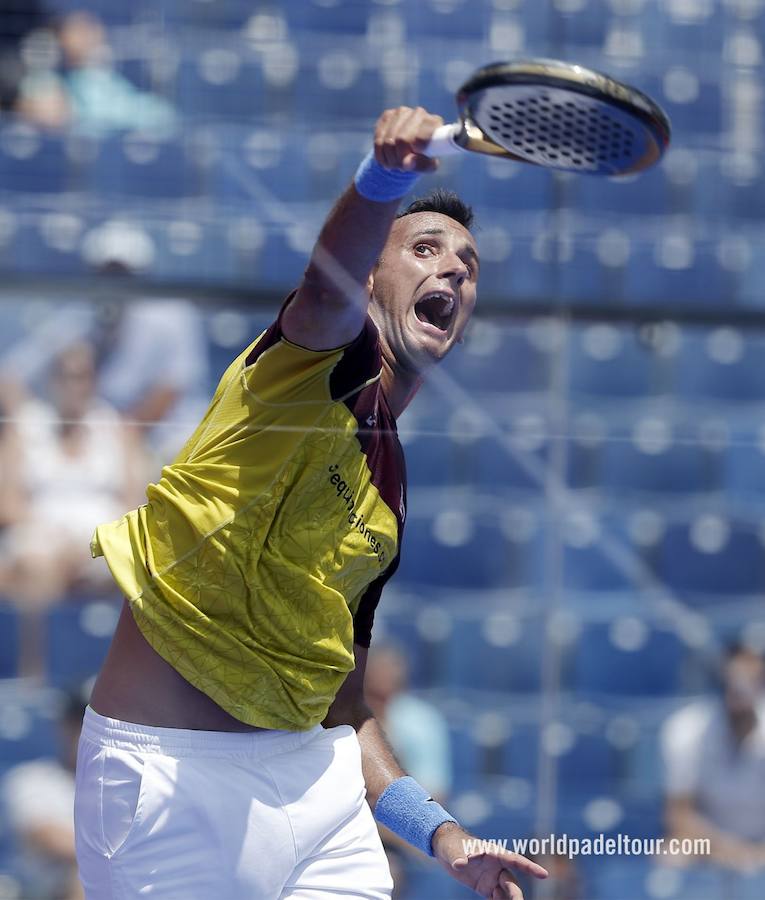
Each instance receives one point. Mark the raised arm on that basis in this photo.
(331, 302)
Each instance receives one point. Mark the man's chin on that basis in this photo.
(427, 357)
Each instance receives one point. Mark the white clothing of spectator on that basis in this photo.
(714, 764)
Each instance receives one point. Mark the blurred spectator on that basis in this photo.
(67, 465)
(155, 370)
(416, 730)
(38, 800)
(96, 97)
(419, 736)
(18, 18)
(153, 356)
(714, 757)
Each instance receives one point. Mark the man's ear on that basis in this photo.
(371, 284)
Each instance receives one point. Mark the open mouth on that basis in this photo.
(436, 308)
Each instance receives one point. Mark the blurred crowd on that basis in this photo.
(57, 72)
(90, 417)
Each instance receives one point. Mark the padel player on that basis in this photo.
(227, 751)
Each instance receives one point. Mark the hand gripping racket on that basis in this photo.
(556, 115)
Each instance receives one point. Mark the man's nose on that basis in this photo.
(455, 268)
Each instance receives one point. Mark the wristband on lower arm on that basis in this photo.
(375, 182)
(409, 811)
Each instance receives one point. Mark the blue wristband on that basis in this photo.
(408, 810)
(377, 183)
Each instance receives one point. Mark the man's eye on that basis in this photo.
(423, 248)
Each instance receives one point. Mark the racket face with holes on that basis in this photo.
(561, 116)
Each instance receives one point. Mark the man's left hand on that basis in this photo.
(490, 873)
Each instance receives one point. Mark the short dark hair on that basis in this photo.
(441, 201)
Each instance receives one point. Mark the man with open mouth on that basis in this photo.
(228, 751)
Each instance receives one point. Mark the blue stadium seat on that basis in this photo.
(423, 879)
(455, 20)
(640, 879)
(520, 751)
(234, 95)
(496, 651)
(583, 278)
(467, 754)
(682, 272)
(501, 358)
(31, 251)
(750, 294)
(229, 331)
(522, 276)
(730, 187)
(504, 186)
(78, 637)
(583, 26)
(27, 728)
(140, 166)
(196, 250)
(641, 761)
(589, 767)
(260, 167)
(583, 465)
(613, 361)
(697, 29)
(9, 641)
(283, 259)
(732, 563)
(406, 624)
(432, 92)
(34, 162)
(693, 106)
(536, 20)
(721, 366)
(645, 194)
(586, 763)
(224, 14)
(238, 249)
(113, 12)
(484, 558)
(608, 562)
(355, 95)
(495, 466)
(434, 459)
(681, 468)
(344, 17)
(652, 665)
(744, 469)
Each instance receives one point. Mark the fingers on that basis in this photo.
(521, 864)
(400, 136)
(506, 888)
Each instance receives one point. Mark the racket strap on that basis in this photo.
(375, 182)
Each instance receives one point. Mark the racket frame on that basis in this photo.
(552, 73)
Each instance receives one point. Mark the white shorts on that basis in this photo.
(173, 814)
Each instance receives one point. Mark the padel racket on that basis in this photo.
(557, 115)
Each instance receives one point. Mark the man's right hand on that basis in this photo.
(400, 137)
